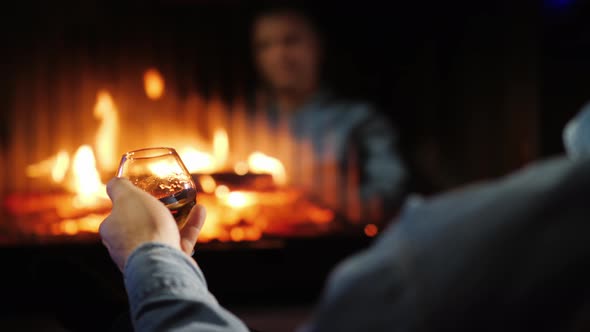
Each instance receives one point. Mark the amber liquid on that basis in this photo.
(180, 204)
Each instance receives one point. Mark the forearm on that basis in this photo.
(168, 292)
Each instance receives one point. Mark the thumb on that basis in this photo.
(116, 187)
(190, 231)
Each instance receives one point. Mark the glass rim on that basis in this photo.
(150, 153)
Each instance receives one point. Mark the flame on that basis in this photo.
(206, 163)
(58, 172)
(238, 199)
(153, 83)
(106, 135)
(85, 180)
(258, 162)
(197, 161)
(56, 166)
(220, 147)
(80, 174)
(166, 168)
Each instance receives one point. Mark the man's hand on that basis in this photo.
(137, 218)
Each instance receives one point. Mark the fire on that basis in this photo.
(165, 168)
(197, 161)
(58, 171)
(220, 148)
(79, 174)
(238, 208)
(260, 163)
(238, 199)
(204, 162)
(237, 234)
(56, 166)
(153, 83)
(85, 181)
(106, 135)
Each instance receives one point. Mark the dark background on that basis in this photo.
(476, 89)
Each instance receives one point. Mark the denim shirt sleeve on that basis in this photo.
(167, 292)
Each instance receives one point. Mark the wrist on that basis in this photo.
(146, 246)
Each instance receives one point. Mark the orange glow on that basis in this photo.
(222, 192)
(107, 133)
(91, 222)
(197, 161)
(241, 168)
(69, 227)
(321, 216)
(160, 169)
(153, 83)
(220, 148)
(166, 168)
(58, 172)
(212, 228)
(85, 181)
(371, 230)
(253, 234)
(207, 183)
(260, 163)
(239, 199)
(237, 234)
(56, 166)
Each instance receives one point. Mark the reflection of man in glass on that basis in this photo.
(288, 55)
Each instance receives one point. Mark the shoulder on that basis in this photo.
(351, 107)
(356, 113)
(487, 209)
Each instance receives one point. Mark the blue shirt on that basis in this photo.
(335, 127)
(168, 292)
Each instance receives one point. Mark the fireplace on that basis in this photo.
(86, 85)
(256, 181)
(268, 212)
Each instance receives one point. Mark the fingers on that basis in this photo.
(190, 232)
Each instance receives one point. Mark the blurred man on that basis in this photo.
(288, 54)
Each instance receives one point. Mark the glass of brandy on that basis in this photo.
(161, 173)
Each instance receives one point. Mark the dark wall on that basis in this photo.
(565, 66)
